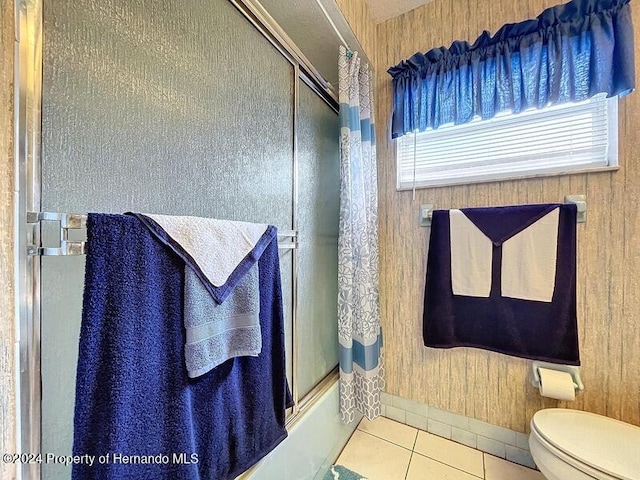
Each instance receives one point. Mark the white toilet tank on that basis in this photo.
(607, 445)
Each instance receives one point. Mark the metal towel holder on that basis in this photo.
(426, 210)
(75, 221)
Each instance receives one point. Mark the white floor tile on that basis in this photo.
(374, 458)
(423, 468)
(394, 432)
(451, 453)
(498, 469)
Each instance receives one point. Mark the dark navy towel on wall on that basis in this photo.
(133, 396)
(504, 279)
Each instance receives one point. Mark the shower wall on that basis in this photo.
(181, 108)
(318, 208)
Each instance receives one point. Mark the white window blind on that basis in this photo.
(554, 140)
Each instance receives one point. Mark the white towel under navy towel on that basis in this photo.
(504, 279)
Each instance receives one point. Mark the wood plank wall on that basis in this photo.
(7, 372)
(476, 383)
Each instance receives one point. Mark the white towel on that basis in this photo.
(217, 246)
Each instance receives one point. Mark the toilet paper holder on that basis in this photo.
(572, 370)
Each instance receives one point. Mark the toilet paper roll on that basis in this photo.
(555, 384)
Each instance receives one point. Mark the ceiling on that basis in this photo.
(307, 26)
(382, 10)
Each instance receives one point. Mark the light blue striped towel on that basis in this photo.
(217, 332)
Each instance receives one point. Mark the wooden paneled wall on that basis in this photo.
(362, 24)
(481, 384)
(7, 371)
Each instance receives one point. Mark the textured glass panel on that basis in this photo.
(318, 209)
(155, 106)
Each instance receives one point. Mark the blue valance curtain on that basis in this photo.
(569, 53)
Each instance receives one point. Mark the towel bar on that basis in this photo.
(75, 221)
(581, 203)
(426, 210)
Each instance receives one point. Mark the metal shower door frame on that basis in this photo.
(27, 172)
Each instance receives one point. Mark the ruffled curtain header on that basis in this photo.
(569, 53)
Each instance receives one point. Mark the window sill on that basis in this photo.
(452, 183)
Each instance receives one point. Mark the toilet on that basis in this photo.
(574, 445)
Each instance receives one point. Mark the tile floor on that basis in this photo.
(386, 450)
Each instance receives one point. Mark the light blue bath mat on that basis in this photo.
(338, 472)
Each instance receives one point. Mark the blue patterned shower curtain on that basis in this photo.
(361, 372)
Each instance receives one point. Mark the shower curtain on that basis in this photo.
(361, 371)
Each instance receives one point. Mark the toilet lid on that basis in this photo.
(608, 445)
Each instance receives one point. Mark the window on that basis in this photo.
(560, 139)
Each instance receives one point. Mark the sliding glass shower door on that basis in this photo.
(181, 108)
(318, 210)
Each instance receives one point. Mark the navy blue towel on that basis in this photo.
(134, 400)
(540, 330)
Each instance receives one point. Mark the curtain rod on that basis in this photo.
(333, 25)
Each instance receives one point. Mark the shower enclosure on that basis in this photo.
(182, 108)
